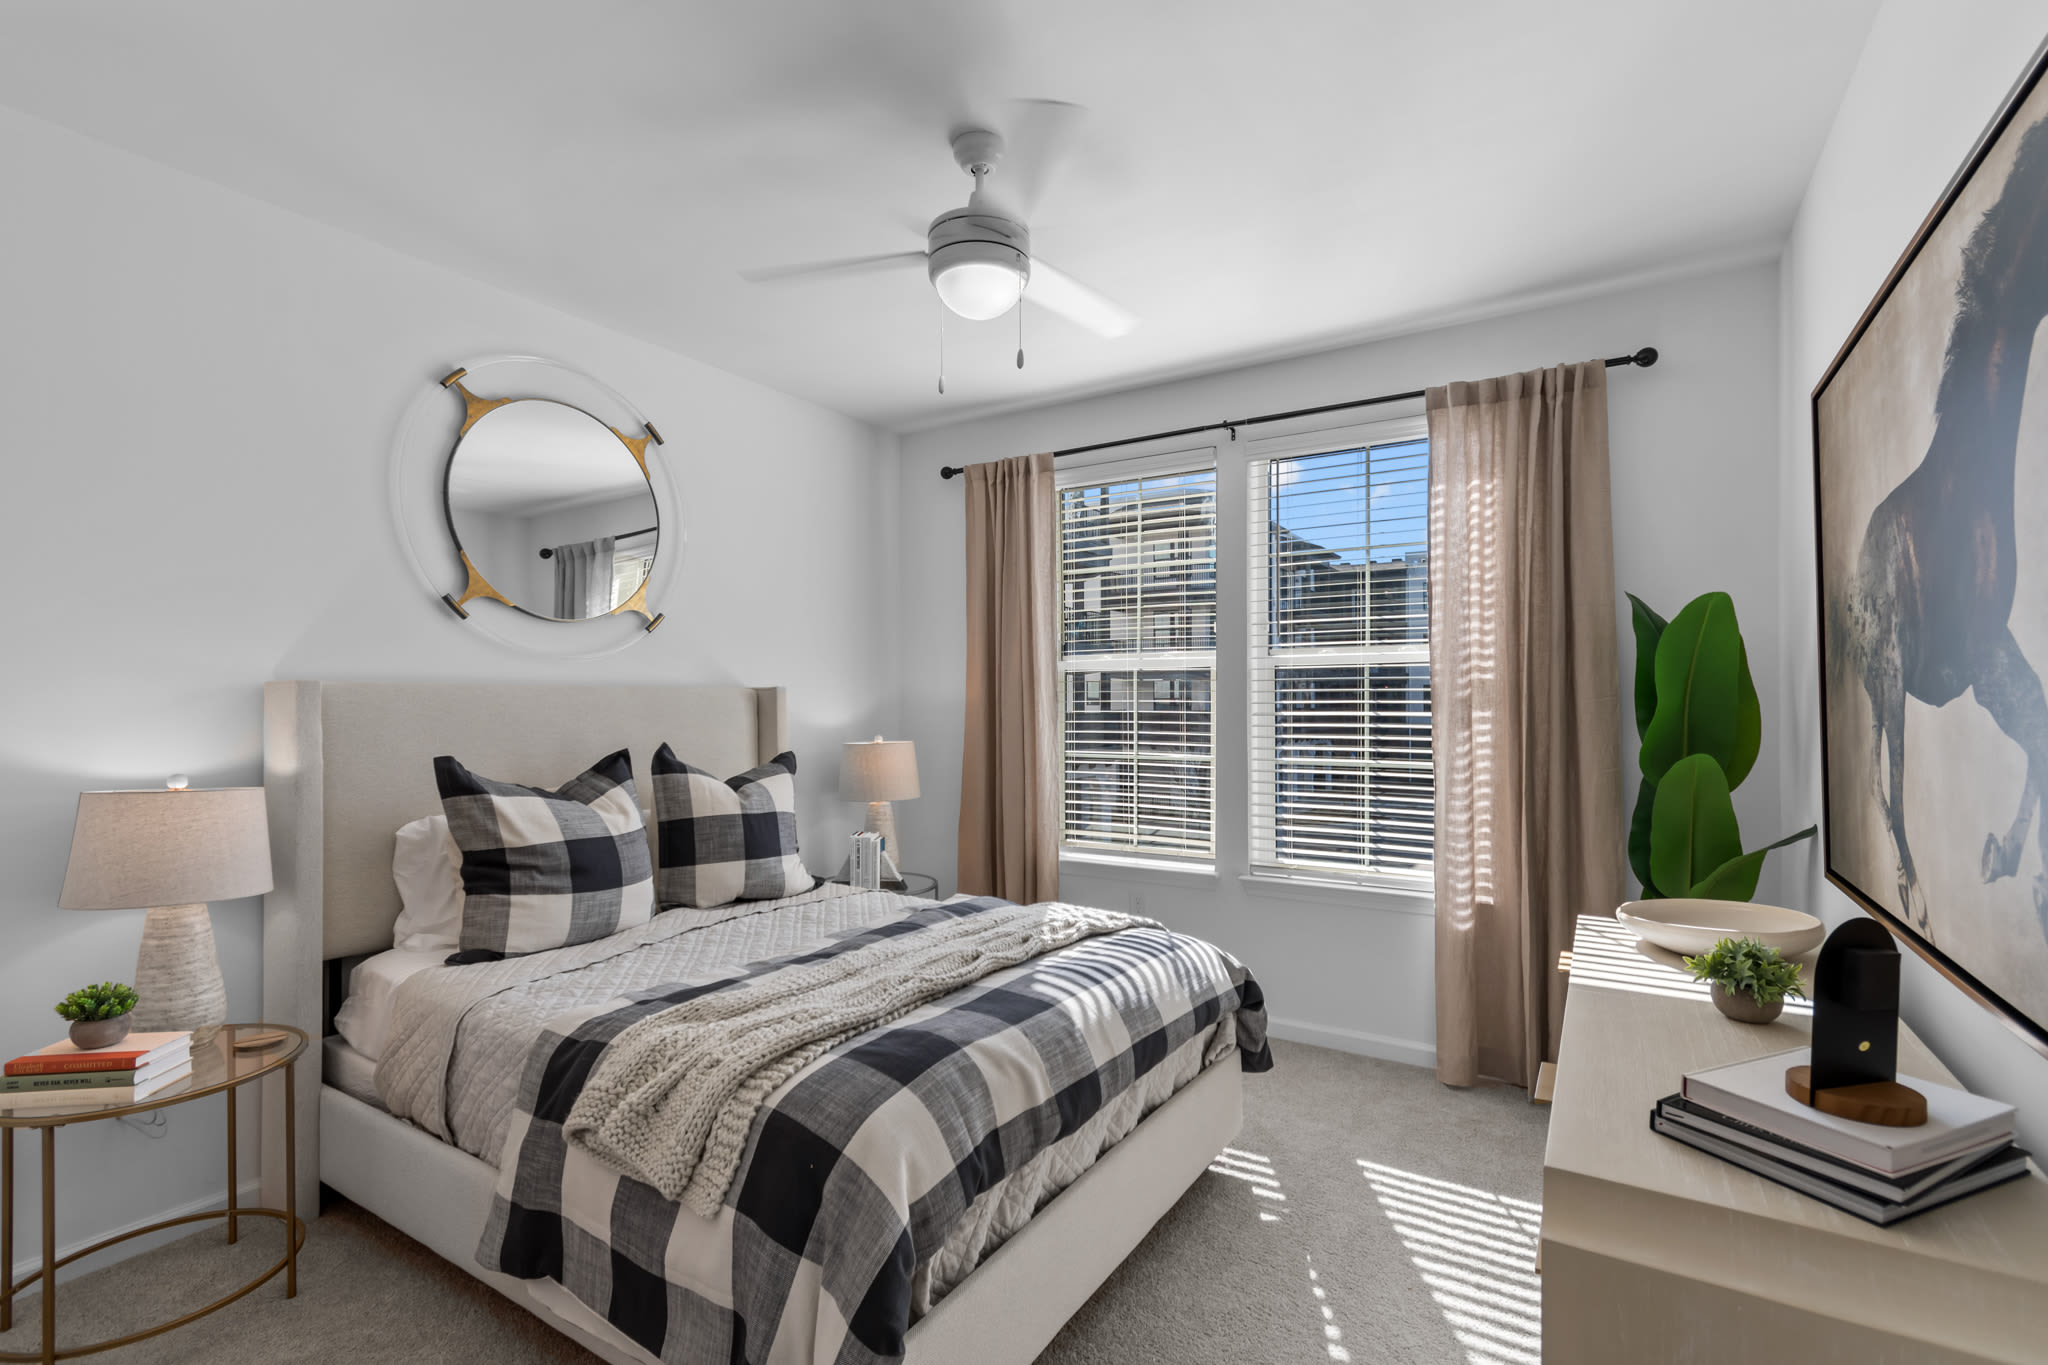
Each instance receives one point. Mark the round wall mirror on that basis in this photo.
(551, 509)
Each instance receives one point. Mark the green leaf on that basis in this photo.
(1649, 626)
(1692, 824)
(1735, 880)
(1699, 663)
(1639, 838)
(1749, 723)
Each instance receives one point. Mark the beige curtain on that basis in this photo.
(1526, 683)
(1009, 775)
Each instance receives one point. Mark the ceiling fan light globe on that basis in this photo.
(979, 280)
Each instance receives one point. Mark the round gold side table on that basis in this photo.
(217, 1067)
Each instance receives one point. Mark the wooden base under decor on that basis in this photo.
(1881, 1102)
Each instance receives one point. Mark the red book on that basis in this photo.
(138, 1052)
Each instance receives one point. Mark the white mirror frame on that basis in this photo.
(419, 461)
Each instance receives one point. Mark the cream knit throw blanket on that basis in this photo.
(675, 1095)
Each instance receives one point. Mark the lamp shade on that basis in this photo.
(879, 770)
(136, 850)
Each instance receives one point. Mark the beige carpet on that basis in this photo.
(1365, 1214)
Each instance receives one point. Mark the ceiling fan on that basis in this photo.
(978, 258)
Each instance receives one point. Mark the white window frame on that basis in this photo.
(631, 554)
(1081, 473)
(1262, 658)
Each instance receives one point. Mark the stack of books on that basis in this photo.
(61, 1075)
(867, 862)
(1741, 1114)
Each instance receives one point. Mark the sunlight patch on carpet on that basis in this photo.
(1257, 1175)
(1476, 1251)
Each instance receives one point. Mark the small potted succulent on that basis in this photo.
(1750, 981)
(100, 1015)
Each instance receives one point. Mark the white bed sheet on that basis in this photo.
(364, 1018)
(348, 1070)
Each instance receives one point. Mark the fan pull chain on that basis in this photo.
(1020, 327)
(942, 350)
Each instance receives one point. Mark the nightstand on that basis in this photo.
(913, 884)
(217, 1067)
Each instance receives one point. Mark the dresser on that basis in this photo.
(1653, 1252)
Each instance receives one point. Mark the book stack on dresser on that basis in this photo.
(62, 1075)
(1742, 1114)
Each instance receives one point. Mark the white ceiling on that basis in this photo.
(523, 459)
(1254, 179)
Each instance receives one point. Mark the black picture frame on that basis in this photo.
(1966, 975)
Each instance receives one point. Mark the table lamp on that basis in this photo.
(169, 852)
(878, 772)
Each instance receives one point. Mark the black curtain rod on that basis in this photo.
(1645, 358)
(549, 551)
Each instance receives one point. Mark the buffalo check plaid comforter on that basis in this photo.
(859, 1166)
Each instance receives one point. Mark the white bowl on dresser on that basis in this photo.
(1684, 925)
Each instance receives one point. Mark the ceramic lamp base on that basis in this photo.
(177, 973)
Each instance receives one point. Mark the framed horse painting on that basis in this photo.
(1931, 493)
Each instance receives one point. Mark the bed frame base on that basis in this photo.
(1004, 1313)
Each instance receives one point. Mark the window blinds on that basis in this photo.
(1137, 663)
(1341, 772)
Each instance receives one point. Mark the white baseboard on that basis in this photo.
(1352, 1040)
(251, 1193)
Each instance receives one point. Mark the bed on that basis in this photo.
(346, 765)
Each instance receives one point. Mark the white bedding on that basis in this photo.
(364, 1018)
(348, 1070)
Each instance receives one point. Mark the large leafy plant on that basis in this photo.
(1701, 729)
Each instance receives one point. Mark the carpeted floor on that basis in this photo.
(1365, 1214)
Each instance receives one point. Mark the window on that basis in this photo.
(1342, 781)
(632, 561)
(1138, 662)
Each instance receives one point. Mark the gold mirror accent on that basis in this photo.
(551, 508)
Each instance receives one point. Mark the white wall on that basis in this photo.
(1932, 74)
(198, 398)
(1693, 446)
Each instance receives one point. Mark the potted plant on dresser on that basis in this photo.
(1750, 980)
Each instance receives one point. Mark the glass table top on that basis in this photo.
(217, 1065)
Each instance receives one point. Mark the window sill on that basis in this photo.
(1392, 899)
(1136, 869)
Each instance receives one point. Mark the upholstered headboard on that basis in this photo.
(346, 763)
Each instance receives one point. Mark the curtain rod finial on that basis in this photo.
(1645, 357)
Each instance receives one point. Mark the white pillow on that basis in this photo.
(365, 1017)
(428, 869)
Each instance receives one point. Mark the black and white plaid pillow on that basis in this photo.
(726, 840)
(544, 869)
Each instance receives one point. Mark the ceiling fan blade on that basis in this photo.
(845, 265)
(1058, 292)
(1039, 136)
